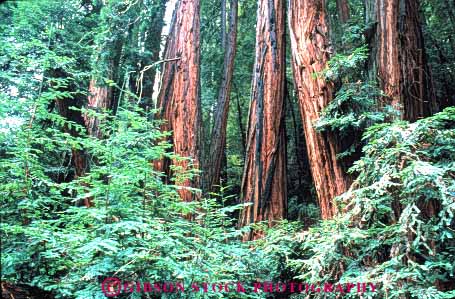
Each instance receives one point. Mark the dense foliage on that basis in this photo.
(397, 229)
(136, 229)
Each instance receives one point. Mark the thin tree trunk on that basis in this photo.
(344, 12)
(309, 44)
(179, 98)
(218, 136)
(240, 120)
(264, 177)
(240, 123)
(223, 23)
(398, 57)
(152, 43)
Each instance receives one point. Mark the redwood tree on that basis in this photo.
(264, 177)
(179, 100)
(218, 136)
(398, 57)
(310, 53)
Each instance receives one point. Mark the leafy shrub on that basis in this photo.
(397, 228)
(135, 230)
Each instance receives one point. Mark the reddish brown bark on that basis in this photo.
(309, 44)
(179, 94)
(398, 57)
(218, 136)
(264, 177)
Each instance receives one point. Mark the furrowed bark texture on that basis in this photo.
(218, 135)
(309, 44)
(264, 177)
(179, 98)
(398, 57)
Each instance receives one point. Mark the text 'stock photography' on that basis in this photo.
(114, 286)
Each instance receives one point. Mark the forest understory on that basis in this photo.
(227, 149)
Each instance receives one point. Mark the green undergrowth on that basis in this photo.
(137, 229)
(396, 227)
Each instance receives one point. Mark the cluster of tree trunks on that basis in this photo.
(398, 61)
(179, 100)
(398, 58)
(264, 177)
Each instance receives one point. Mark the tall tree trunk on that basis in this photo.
(344, 12)
(218, 136)
(309, 44)
(179, 98)
(264, 177)
(398, 57)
